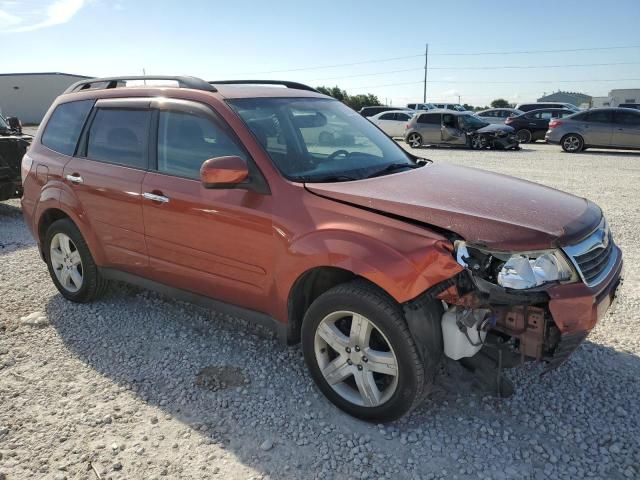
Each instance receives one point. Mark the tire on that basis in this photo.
(389, 345)
(572, 143)
(479, 142)
(65, 247)
(414, 140)
(524, 136)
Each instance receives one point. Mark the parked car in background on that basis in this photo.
(393, 123)
(450, 106)
(633, 106)
(599, 127)
(13, 145)
(370, 111)
(533, 125)
(498, 115)
(447, 127)
(527, 107)
(421, 106)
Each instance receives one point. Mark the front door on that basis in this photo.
(450, 131)
(216, 243)
(626, 130)
(107, 180)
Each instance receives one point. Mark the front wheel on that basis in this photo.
(572, 143)
(360, 353)
(414, 140)
(479, 142)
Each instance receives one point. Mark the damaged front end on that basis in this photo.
(499, 304)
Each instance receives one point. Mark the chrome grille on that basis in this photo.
(594, 256)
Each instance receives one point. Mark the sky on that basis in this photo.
(361, 46)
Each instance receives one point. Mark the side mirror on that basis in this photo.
(224, 172)
(14, 124)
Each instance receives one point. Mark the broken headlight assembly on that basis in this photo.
(516, 270)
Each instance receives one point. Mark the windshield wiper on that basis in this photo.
(326, 178)
(392, 167)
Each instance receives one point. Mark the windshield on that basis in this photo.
(471, 121)
(319, 140)
(3, 123)
(459, 108)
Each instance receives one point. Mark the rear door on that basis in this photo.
(218, 243)
(597, 128)
(400, 123)
(428, 125)
(626, 130)
(106, 177)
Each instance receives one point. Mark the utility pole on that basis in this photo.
(426, 67)
(459, 100)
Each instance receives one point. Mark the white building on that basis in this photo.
(618, 97)
(29, 95)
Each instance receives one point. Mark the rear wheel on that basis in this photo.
(572, 143)
(360, 353)
(414, 140)
(523, 135)
(70, 263)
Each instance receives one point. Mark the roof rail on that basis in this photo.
(285, 83)
(115, 82)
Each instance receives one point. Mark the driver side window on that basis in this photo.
(185, 141)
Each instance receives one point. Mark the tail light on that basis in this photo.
(508, 120)
(25, 167)
(554, 124)
(406, 127)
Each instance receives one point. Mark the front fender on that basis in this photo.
(402, 274)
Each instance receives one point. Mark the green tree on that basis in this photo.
(500, 103)
(354, 101)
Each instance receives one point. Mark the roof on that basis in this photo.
(42, 73)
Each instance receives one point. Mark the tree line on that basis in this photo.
(369, 99)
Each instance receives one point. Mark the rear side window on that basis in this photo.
(430, 118)
(403, 117)
(387, 116)
(120, 136)
(65, 125)
(185, 141)
(603, 116)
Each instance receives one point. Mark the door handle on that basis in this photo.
(75, 179)
(155, 197)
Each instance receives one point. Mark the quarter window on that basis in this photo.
(120, 136)
(185, 141)
(65, 125)
(387, 116)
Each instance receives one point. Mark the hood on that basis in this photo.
(484, 208)
(495, 128)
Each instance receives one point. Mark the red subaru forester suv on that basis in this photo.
(285, 206)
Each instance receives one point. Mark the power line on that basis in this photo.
(520, 82)
(390, 59)
(476, 68)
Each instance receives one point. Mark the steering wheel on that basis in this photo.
(337, 153)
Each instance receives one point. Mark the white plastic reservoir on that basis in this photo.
(456, 344)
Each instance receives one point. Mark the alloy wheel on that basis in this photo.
(523, 136)
(571, 143)
(356, 359)
(66, 262)
(415, 140)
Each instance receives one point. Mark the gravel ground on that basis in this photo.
(139, 386)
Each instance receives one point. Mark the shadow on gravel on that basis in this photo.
(14, 234)
(159, 351)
